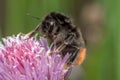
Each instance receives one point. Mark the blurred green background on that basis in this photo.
(98, 20)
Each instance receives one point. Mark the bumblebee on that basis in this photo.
(63, 34)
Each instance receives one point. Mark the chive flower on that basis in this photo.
(29, 59)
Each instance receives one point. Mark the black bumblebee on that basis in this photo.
(63, 34)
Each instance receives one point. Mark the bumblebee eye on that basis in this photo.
(44, 28)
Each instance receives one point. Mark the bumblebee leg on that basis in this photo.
(32, 33)
(61, 47)
(72, 57)
(21, 34)
(69, 39)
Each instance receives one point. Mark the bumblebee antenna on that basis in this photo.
(35, 17)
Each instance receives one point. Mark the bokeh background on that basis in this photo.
(99, 21)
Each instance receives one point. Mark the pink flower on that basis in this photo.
(29, 59)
